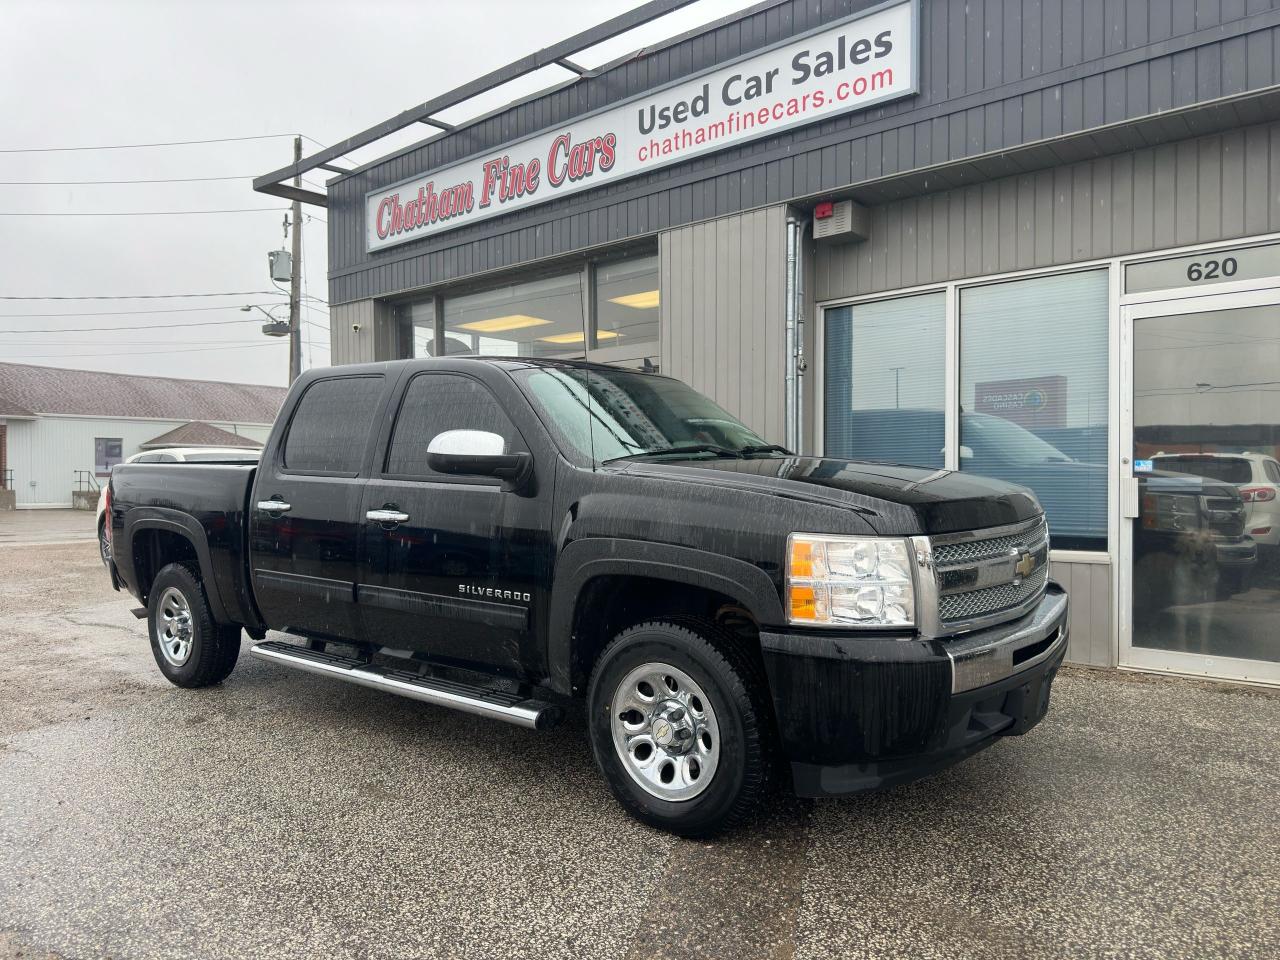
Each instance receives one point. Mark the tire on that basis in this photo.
(718, 781)
(190, 649)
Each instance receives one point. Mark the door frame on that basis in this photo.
(1146, 658)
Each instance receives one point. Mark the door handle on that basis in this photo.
(274, 506)
(387, 516)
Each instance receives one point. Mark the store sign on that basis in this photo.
(1204, 269)
(849, 66)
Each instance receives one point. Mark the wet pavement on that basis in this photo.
(47, 526)
(282, 815)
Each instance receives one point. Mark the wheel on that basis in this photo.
(104, 542)
(190, 648)
(680, 726)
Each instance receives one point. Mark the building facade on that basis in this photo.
(1028, 238)
(61, 431)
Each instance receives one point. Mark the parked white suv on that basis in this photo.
(1255, 475)
(169, 455)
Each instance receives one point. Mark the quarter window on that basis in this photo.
(331, 426)
(435, 403)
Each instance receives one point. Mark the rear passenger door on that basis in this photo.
(462, 576)
(305, 518)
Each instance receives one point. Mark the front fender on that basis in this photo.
(584, 560)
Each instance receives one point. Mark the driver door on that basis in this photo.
(454, 565)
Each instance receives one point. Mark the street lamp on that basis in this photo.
(274, 327)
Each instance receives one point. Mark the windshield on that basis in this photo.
(995, 436)
(605, 414)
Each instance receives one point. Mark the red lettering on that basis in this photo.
(382, 224)
(555, 174)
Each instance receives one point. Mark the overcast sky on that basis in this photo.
(91, 73)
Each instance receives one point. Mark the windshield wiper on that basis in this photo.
(691, 448)
(764, 448)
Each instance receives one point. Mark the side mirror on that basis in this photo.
(966, 453)
(478, 453)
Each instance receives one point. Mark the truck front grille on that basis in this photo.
(987, 576)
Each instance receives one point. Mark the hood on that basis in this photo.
(890, 496)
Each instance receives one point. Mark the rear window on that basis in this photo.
(220, 457)
(1226, 469)
(331, 425)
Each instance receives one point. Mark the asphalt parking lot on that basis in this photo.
(281, 815)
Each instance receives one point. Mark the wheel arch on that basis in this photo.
(585, 564)
(149, 521)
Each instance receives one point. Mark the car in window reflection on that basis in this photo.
(1255, 475)
(1189, 544)
(1072, 491)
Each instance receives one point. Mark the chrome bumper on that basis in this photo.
(991, 655)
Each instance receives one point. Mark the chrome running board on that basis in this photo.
(482, 701)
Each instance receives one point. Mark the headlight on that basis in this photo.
(855, 581)
(1177, 512)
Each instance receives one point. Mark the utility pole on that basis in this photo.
(295, 280)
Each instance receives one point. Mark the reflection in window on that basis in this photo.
(538, 318)
(885, 374)
(627, 302)
(1033, 395)
(418, 322)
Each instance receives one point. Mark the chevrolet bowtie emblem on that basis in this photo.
(1026, 563)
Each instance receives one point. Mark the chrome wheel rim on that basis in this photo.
(665, 732)
(104, 544)
(174, 630)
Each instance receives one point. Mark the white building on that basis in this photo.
(62, 430)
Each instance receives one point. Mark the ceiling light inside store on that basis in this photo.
(515, 321)
(639, 301)
(577, 337)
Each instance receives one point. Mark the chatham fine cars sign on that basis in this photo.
(841, 68)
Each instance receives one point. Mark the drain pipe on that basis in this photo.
(795, 363)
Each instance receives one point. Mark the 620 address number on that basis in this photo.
(1212, 269)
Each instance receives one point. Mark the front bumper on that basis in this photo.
(1235, 553)
(861, 712)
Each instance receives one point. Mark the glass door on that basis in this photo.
(1200, 477)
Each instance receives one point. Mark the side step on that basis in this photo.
(497, 704)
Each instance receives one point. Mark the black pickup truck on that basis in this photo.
(512, 537)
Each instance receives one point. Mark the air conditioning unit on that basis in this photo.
(840, 221)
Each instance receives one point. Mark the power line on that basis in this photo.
(141, 213)
(138, 146)
(102, 183)
(130, 313)
(152, 296)
(145, 326)
(146, 353)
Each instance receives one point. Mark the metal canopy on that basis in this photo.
(557, 54)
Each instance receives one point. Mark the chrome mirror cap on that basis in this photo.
(467, 443)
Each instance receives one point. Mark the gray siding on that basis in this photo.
(376, 339)
(1217, 187)
(723, 294)
(994, 75)
(1092, 641)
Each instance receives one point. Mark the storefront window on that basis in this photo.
(538, 318)
(627, 302)
(418, 321)
(1033, 395)
(885, 375)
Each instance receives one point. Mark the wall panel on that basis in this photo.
(723, 294)
(1219, 187)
